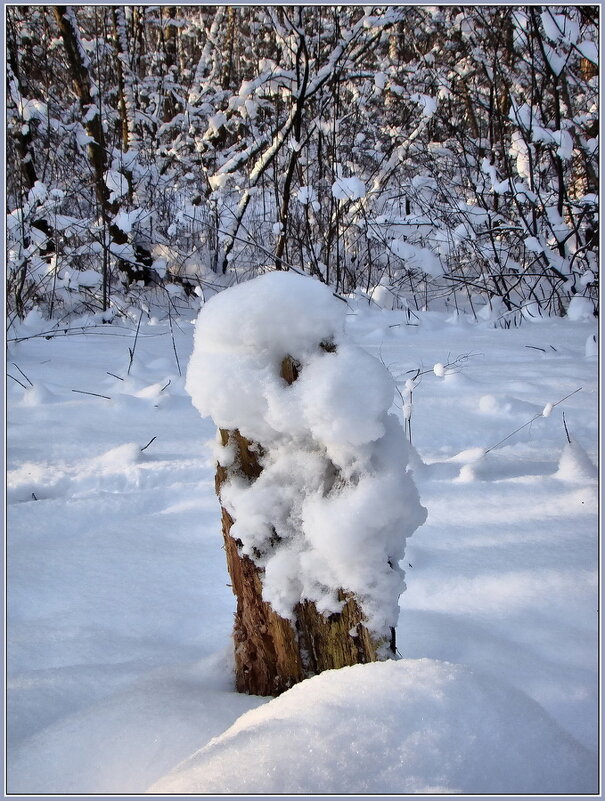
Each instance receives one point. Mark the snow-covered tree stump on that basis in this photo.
(316, 501)
(271, 654)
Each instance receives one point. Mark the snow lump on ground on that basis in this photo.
(412, 726)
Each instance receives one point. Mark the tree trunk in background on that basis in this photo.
(126, 94)
(25, 148)
(170, 60)
(88, 96)
(302, 64)
(271, 652)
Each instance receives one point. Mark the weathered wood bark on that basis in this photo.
(272, 653)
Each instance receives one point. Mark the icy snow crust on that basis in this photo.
(334, 486)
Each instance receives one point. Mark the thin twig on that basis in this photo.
(22, 373)
(407, 421)
(134, 346)
(96, 394)
(165, 385)
(148, 444)
(456, 363)
(176, 355)
(82, 329)
(17, 380)
(113, 375)
(535, 417)
(566, 429)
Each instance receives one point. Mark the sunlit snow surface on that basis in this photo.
(120, 615)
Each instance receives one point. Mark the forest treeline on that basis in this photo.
(447, 155)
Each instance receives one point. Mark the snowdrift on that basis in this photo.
(412, 726)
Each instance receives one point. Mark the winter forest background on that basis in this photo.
(446, 154)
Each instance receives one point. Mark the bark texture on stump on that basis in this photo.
(271, 652)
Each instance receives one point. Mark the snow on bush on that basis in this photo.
(348, 188)
(410, 726)
(334, 486)
(383, 296)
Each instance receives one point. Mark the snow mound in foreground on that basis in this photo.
(411, 726)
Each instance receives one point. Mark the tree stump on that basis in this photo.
(271, 652)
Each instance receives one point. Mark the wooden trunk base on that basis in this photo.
(271, 653)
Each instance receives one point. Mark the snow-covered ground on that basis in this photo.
(120, 613)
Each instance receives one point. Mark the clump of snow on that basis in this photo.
(467, 456)
(506, 406)
(116, 183)
(468, 459)
(334, 486)
(308, 196)
(589, 50)
(565, 141)
(218, 181)
(580, 308)
(467, 474)
(430, 726)
(215, 123)
(126, 220)
(380, 80)
(591, 347)
(383, 296)
(575, 464)
(39, 395)
(559, 27)
(116, 459)
(241, 337)
(87, 278)
(427, 103)
(348, 188)
(519, 149)
(418, 257)
(534, 244)
(34, 322)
